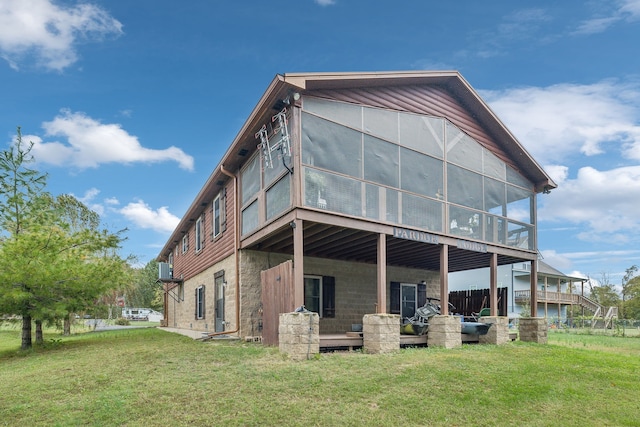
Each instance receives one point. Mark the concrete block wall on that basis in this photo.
(181, 313)
(355, 287)
(498, 332)
(533, 329)
(381, 333)
(299, 335)
(444, 331)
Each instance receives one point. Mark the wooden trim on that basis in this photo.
(444, 280)
(381, 306)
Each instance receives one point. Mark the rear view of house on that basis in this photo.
(351, 194)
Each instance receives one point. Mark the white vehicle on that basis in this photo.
(135, 313)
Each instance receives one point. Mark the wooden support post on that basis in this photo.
(444, 280)
(382, 274)
(493, 285)
(534, 288)
(298, 263)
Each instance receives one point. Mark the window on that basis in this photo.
(219, 214)
(319, 295)
(406, 297)
(199, 233)
(200, 302)
(185, 243)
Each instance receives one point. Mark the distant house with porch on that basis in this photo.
(556, 292)
(351, 194)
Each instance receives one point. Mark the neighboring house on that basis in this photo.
(556, 291)
(351, 194)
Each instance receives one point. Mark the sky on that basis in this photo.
(131, 104)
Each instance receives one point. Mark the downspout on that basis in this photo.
(236, 245)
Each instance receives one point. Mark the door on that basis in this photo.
(219, 297)
(408, 299)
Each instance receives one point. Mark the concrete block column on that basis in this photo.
(444, 331)
(498, 332)
(299, 335)
(533, 329)
(381, 333)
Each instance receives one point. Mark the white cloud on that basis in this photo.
(325, 2)
(604, 201)
(91, 143)
(49, 32)
(624, 10)
(554, 121)
(144, 216)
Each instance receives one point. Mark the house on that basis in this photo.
(556, 292)
(351, 194)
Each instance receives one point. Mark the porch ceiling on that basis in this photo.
(334, 242)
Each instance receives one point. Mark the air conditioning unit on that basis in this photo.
(165, 271)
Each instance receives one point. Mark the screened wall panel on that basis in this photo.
(421, 174)
(278, 197)
(393, 170)
(421, 212)
(330, 146)
(349, 115)
(423, 134)
(250, 179)
(464, 187)
(381, 162)
(381, 123)
(250, 219)
(333, 192)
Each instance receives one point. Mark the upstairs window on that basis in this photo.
(185, 243)
(199, 233)
(219, 216)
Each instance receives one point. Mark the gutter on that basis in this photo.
(236, 246)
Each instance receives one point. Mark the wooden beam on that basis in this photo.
(534, 287)
(444, 280)
(382, 274)
(298, 263)
(493, 285)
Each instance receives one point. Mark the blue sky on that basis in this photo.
(131, 104)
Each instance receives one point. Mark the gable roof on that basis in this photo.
(283, 86)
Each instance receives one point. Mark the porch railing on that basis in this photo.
(564, 298)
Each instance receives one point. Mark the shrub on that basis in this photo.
(121, 321)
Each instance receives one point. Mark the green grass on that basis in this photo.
(149, 377)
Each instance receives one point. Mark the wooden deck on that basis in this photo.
(351, 341)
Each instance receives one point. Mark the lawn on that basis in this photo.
(150, 377)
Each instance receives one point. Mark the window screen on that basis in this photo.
(421, 174)
(464, 187)
(279, 197)
(381, 123)
(423, 134)
(339, 112)
(330, 146)
(462, 149)
(250, 218)
(250, 178)
(381, 163)
(421, 212)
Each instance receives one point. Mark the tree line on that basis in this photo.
(56, 259)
